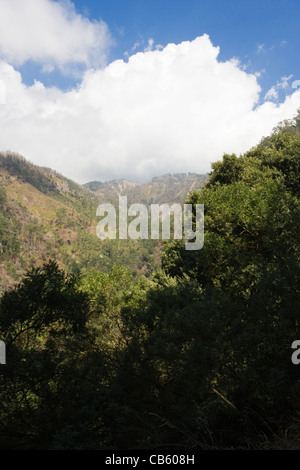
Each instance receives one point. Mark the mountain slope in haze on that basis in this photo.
(169, 189)
(44, 215)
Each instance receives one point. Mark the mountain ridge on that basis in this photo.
(167, 188)
(44, 215)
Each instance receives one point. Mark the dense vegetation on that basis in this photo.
(196, 356)
(44, 215)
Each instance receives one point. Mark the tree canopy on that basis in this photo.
(196, 356)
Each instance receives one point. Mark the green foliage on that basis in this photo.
(2, 195)
(9, 230)
(45, 296)
(45, 215)
(27, 172)
(167, 366)
(43, 323)
(195, 356)
(250, 269)
(277, 157)
(228, 171)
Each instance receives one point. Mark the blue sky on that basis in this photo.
(263, 34)
(105, 89)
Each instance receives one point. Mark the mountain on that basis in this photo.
(45, 215)
(42, 215)
(169, 188)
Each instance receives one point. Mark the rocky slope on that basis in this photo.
(44, 215)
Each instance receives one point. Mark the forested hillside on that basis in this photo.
(195, 356)
(44, 215)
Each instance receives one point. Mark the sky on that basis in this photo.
(111, 89)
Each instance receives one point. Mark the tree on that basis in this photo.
(43, 322)
(248, 271)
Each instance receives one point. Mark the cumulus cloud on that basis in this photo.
(51, 33)
(172, 110)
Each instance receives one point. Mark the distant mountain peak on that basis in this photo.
(167, 188)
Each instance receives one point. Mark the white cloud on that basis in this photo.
(260, 48)
(285, 82)
(48, 68)
(172, 110)
(273, 93)
(51, 33)
(149, 46)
